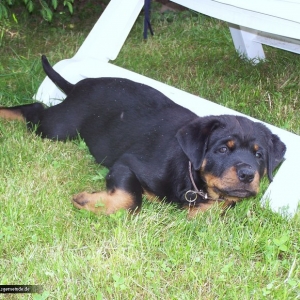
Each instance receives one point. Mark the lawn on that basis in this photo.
(250, 253)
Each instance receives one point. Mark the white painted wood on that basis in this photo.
(248, 18)
(283, 9)
(110, 32)
(244, 41)
(277, 41)
(281, 18)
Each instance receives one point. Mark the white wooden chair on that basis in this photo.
(104, 43)
(253, 23)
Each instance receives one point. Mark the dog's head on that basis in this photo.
(232, 154)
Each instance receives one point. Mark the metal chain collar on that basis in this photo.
(191, 196)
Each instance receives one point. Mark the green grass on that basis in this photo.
(251, 253)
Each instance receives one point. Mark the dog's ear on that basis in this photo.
(194, 136)
(276, 151)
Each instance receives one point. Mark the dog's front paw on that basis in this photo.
(80, 200)
(94, 202)
(105, 202)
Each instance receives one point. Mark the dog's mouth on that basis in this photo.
(234, 193)
(240, 193)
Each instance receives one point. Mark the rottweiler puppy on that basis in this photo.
(153, 146)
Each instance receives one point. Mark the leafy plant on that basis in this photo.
(281, 243)
(45, 7)
(3, 9)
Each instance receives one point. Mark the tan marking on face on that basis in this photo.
(256, 147)
(104, 202)
(229, 181)
(265, 172)
(230, 144)
(203, 165)
(9, 114)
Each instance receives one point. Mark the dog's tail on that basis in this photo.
(59, 81)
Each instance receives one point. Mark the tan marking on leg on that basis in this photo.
(202, 207)
(10, 114)
(228, 204)
(151, 197)
(104, 202)
(211, 193)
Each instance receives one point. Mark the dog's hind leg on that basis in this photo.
(30, 113)
(55, 122)
(124, 191)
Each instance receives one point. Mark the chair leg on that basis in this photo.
(243, 40)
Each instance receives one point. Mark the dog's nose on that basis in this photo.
(246, 174)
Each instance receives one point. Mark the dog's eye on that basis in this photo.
(223, 149)
(258, 155)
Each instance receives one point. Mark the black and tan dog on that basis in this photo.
(153, 146)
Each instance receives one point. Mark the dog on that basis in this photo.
(154, 147)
